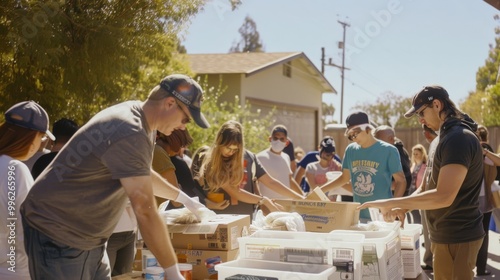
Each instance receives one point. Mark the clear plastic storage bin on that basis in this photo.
(254, 269)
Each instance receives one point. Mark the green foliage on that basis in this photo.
(492, 110)
(389, 109)
(250, 38)
(474, 105)
(256, 126)
(78, 57)
(483, 104)
(328, 112)
(487, 74)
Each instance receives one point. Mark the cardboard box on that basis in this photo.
(220, 233)
(204, 261)
(322, 216)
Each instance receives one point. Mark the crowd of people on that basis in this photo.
(129, 159)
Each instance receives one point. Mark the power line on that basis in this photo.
(341, 67)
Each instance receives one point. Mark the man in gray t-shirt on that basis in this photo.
(77, 201)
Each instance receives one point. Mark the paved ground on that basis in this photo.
(493, 259)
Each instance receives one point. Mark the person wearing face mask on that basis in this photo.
(277, 163)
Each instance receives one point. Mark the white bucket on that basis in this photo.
(154, 273)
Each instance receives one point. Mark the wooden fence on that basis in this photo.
(409, 136)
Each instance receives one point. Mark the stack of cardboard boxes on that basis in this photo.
(208, 243)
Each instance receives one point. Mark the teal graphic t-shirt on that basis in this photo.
(371, 171)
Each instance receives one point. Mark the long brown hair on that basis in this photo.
(176, 140)
(15, 141)
(217, 171)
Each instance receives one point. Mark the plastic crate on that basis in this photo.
(410, 236)
(254, 269)
(411, 263)
(381, 258)
(341, 250)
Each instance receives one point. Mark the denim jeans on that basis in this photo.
(121, 252)
(49, 259)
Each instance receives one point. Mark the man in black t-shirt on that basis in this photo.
(63, 130)
(451, 198)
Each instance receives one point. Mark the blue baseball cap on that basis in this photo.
(29, 114)
(189, 92)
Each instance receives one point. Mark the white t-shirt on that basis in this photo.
(15, 182)
(278, 167)
(128, 221)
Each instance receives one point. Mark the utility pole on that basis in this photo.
(344, 24)
(342, 68)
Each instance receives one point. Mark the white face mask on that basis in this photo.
(277, 145)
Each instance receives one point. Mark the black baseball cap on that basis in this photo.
(426, 96)
(29, 114)
(327, 145)
(189, 92)
(357, 119)
(279, 128)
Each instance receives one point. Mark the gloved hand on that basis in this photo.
(193, 205)
(173, 272)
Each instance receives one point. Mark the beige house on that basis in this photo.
(287, 81)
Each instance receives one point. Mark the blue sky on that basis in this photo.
(393, 45)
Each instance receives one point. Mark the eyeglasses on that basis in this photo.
(187, 119)
(421, 113)
(44, 138)
(231, 150)
(353, 136)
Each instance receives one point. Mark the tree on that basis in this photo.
(256, 126)
(328, 112)
(250, 38)
(389, 109)
(78, 57)
(483, 105)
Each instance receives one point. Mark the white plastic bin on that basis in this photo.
(341, 250)
(411, 263)
(381, 258)
(410, 236)
(243, 269)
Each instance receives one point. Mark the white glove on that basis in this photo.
(192, 205)
(172, 272)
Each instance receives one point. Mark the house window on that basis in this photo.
(287, 69)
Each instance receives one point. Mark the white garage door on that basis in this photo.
(301, 122)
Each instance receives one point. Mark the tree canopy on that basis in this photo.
(250, 38)
(389, 109)
(483, 104)
(328, 112)
(77, 57)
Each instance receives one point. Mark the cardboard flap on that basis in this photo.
(205, 227)
(317, 195)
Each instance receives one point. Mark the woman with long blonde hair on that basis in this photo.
(418, 165)
(230, 171)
